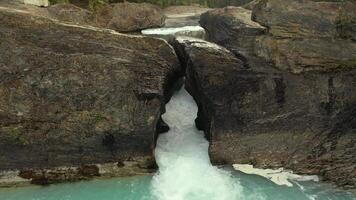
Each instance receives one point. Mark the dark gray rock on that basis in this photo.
(293, 104)
(233, 28)
(306, 18)
(272, 118)
(71, 96)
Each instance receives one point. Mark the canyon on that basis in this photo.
(274, 88)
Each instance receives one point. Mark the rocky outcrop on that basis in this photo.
(128, 17)
(233, 28)
(70, 13)
(179, 16)
(306, 18)
(292, 104)
(307, 35)
(72, 96)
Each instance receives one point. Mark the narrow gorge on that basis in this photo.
(131, 101)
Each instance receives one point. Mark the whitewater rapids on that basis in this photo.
(185, 171)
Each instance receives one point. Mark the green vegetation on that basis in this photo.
(14, 135)
(344, 25)
(95, 4)
(58, 1)
(98, 117)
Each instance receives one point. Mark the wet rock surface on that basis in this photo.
(291, 103)
(71, 95)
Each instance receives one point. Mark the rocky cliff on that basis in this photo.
(73, 96)
(274, 91)
(287, 98)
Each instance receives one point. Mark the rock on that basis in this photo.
(313, 44)
(42, 3)
(300, 56)
(306, 18)
(128, 17)
(72, 96)
(307, 35)
(89, 170)
(208, 61)
(272, 118)
(70, 13)
(233, 28)
(295, 107)
(179, 16)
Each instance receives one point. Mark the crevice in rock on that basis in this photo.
(173, 82)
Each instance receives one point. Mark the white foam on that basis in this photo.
(185, 171)
(277, 176)
(201, 43)
(171, 31)
(191, 31)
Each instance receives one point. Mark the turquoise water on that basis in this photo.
(140, 188)
(185, 173)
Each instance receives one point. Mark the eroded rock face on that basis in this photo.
(293, 103)
(272, 118)
(307, 35)
(207, 61)
(233, 28)
(306, 18)
(71, 96)
(299, 56)
(128, 17)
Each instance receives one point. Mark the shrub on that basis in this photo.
(95, 4)
(58, 1)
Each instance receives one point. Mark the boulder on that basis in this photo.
(306, 18)
(128, 17)
(70, 13)
(293, 104)
(71, 96)
(233, 28)
(301, 56)
(179, 16)
(306, 35)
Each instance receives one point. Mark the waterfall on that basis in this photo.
(185, 171)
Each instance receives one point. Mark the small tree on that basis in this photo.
(95, 4)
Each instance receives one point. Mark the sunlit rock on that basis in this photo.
(277, 176)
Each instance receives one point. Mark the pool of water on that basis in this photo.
(140, 188)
